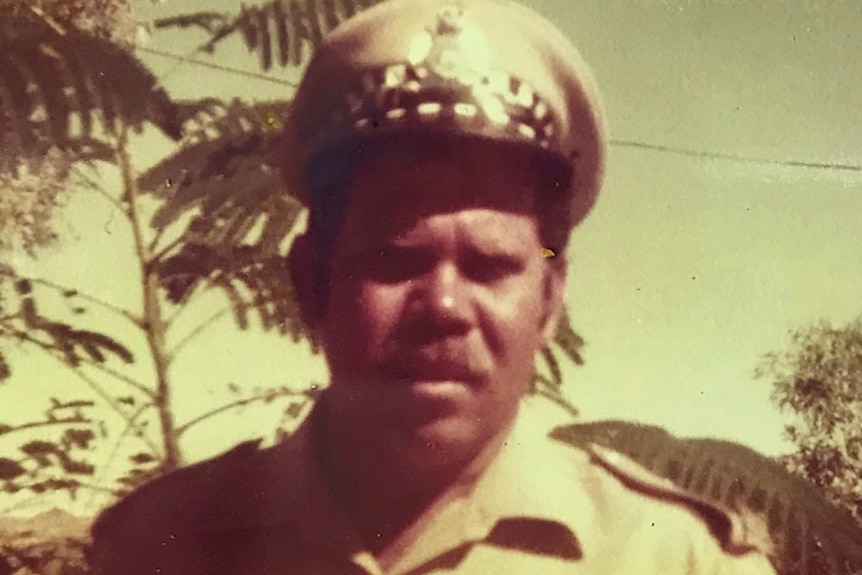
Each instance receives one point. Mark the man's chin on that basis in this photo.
(439, 442)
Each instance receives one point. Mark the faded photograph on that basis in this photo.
(405, 287)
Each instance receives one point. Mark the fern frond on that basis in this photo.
(810, 534)
(226, 176)
(253, 279)
(289, 29)
(5, 368)
(73, 344)
(568, 340)
(553, 364)
(50, 75)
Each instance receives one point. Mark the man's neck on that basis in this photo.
(388, 498)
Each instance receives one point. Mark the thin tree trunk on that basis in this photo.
(154, 323)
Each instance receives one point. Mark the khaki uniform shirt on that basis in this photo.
(542, 507)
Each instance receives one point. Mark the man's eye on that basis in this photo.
(490, 269)
(392, 265)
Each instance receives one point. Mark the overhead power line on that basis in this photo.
(219, 67)
(736, 157)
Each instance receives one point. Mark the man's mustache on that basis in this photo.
(450, 357)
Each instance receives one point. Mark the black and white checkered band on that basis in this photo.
(415, 97)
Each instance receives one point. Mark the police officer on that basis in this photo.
(445, 149)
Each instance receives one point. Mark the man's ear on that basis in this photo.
(303, 265)
(555, 288)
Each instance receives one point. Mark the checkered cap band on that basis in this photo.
(405, 97)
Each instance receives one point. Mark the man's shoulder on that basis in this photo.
(629, 499)
(181, 501)
(162, 526)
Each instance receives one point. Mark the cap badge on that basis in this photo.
(452, 50)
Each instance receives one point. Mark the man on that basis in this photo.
(445, 151)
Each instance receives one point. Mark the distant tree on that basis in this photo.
(819, 380)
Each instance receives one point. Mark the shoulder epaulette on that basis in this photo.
(735, 535)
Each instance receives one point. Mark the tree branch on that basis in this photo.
(121, 376)
(128, 427)
(199, 289)
(195, 332)
(92, 299)
(46, 423)
(165, 250)
(50, 350)
(94, 186)
(94, 386)
(239, 403)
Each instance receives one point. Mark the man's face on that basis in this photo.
(440, 297)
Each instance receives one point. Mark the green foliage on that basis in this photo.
(226, 174)
(807, 533)
(70, 344)
(54, 75)
(109, 20)
(55, 451)
(235, 216)
(819, 380)
(252, 281)
(57, 104)
(286, 31)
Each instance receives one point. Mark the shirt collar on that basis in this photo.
(533, 478)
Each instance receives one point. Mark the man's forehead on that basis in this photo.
(438, 177)
(482, 227)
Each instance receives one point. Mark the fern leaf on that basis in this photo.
(330, 14)
(88, 150)
(5, 368)
(64, 338)
(248, 24)
(10, 469)
(282, 34)
(63, 341)
(281, 219)
(554, 366)
(265, 40)
(300, 33)
(49, 83)
(312, 15)
(227, 180)
(349, 7)
(17, 106)
(254, 280)
(300, 27)
(100, 341)
(239, 306)
(568, 339)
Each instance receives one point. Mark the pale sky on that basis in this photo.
(687, 272)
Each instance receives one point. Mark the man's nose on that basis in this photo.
(444, 300)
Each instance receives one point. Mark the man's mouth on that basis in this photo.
(420, 369)
(447, 360)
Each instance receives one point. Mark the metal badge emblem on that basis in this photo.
(452, 49)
